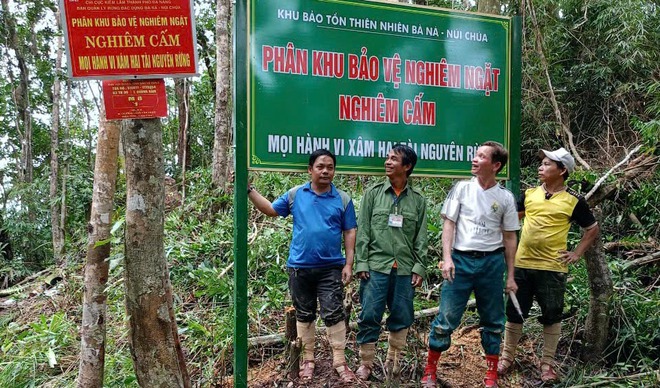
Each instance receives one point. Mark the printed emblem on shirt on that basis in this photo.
(495, 207)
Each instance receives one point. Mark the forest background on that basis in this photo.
(591, 83)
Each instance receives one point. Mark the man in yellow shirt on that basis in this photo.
(542, 257)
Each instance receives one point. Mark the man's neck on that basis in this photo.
(554, 187)
(398, 183)
(486, 182)
(320, 188)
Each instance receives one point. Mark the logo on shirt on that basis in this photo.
(494, 207)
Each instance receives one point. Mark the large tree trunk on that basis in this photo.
(155, 346)
(489, 6)
(597, 325)
(222, 154)
(56, 229)
(92, 341)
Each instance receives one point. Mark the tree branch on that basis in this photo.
(602, 179)
(553, 98)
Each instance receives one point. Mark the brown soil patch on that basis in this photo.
(462, 366)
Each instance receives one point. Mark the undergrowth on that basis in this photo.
(39, 342)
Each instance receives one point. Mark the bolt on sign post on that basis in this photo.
(357, 77)
(124, 39)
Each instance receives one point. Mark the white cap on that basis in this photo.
(560, 155)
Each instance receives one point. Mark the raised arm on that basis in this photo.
(261, 203)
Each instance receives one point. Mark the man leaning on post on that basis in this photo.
(317, 269)
(478, 244)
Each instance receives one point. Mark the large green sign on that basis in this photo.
(357, 77)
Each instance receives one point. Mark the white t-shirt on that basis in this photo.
(480, 215)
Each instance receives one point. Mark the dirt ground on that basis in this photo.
(463, 365)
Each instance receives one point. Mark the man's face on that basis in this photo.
(323, 170)
(394, 165)
(549, 171)
(482, 163)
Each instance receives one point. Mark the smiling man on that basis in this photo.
(317, 269)
(478, 244)
(390, 259)
(542, 259)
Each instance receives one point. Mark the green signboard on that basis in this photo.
(357, 77)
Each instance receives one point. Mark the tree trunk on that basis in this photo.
(21, 96)
(489, 6)
(222, 154)
(56, 229)
(92, 341)
(88, 122)
(597, 325)
(65, 152)
(155, 347)
(182, 91)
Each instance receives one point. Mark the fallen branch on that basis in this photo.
(643, 260)
(609, 380)
(629, 245)
(602, 179)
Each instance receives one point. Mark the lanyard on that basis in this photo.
(395, 199)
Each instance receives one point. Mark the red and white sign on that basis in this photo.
(134, 99)
(130, 38)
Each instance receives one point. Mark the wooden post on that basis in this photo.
(294, 345)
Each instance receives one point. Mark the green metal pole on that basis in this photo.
(240, 195)
(516, 104)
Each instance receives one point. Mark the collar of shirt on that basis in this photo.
(331, 193)
(389, 188)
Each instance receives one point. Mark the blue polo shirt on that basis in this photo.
(318, 224)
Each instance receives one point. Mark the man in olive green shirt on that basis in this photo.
(390, 257)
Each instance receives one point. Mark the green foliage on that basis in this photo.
(31, 353)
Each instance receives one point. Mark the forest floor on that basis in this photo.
(463, 365)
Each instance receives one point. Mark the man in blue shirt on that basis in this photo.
(322, 214)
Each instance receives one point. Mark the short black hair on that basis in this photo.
(321, 152)
(561, 166)
(499, 154)
(408, 156)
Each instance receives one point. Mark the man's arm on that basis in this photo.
(510, 244)
(261, 203)
(349, 247)
(363, 233)
(447, 264)
(420, 247)
(586, 241)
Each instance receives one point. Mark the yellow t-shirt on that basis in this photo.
(545, 227)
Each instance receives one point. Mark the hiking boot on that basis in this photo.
(430, 380)
(490, 381)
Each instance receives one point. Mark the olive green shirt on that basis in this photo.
(379, 245)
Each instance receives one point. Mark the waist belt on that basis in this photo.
(479, 253)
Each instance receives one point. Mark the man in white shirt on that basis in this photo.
(478, 244)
